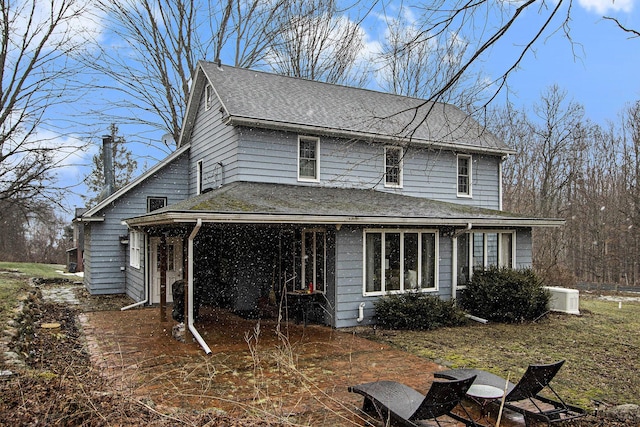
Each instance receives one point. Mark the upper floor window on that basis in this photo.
(154, 203)
(464, 176)
(208, 93)
(199, 176)
(308, 159)
(400, 261)
(392, 167)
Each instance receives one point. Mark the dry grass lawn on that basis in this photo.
(600, 346)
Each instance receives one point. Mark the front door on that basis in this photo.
(174, 266)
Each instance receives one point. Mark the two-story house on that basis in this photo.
(278, 183)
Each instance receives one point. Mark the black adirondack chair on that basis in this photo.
(523, 397)
(401, 405)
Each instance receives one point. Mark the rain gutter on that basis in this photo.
(280, 218)
(192, 328)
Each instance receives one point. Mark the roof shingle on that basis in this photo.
(295, 102)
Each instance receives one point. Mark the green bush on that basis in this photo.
(417, 311)
(505, 295)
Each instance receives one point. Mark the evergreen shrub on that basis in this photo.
(505, 295)
(416, 311)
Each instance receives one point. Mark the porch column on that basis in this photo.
(163, 277)
(185, 279)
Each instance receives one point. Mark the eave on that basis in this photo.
(174, 218)
(366, 136)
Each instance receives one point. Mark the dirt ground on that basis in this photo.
(110, 367)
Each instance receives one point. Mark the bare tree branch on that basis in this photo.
(634, 33)
(38, 41)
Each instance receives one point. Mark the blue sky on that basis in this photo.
(599, 70)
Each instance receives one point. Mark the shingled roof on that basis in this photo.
(250, 202)
(260, 99)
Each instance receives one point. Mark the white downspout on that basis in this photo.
(360, 312)
(192, 328)
(135, 304)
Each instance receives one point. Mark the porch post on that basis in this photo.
(163, 277)
(185, 279)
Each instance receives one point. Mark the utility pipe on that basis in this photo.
(360, 312)
(192, 328)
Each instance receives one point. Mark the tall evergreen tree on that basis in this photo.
(124, 165)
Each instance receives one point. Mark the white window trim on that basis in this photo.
(469, 194)
(400, 166)
(303, 265)
(383, 231)
(135, 246)
(317, 142)
(208, 97)
(484, 243)
(199, 176)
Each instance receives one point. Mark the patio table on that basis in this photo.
(483, 394)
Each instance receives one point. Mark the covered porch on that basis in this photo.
(245, 246)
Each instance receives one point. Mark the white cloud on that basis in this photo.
(79, 21)
(606, 6)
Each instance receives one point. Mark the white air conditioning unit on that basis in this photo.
(564, 300)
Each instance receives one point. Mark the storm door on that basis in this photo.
(314, 259)
(174, 266)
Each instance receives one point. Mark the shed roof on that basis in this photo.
(261, 99)
(249, 202)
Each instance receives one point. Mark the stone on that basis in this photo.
(627, 413)
(178, 332)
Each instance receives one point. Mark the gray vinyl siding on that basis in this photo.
(271, 156)
(105, 256)
(216, 144)
(349, 277)
(108, 259)
(135, 280)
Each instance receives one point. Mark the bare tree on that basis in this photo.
(317, 42)
(420, 69)
(37, 43)
(148, 64)
(156, 45)
(247, 29)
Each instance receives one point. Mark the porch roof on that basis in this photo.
(264, 203)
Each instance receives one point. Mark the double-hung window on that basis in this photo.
(308, 159)
(400, 261)
(481, 250)
(464, 175)
(392, 167)
(135, 244)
